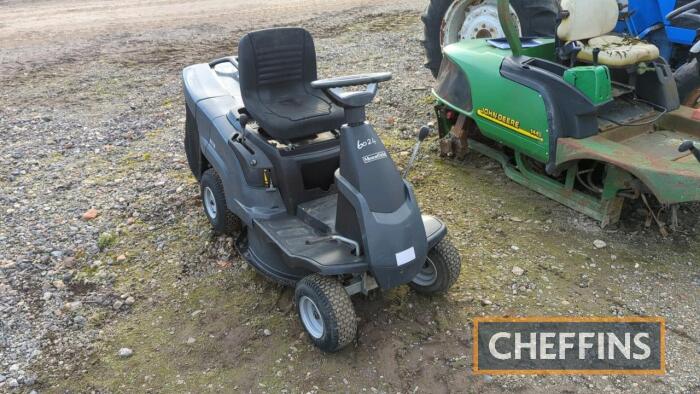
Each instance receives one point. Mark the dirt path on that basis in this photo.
(37, 31)
(37, 21)
(99, 122)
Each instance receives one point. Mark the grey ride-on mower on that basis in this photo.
(290, 165)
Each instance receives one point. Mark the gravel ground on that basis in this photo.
(111, 280)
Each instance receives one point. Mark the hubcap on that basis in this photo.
(469, 19)
(427, 275)
(311, 317)
(210, 203)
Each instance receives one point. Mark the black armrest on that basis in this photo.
(351, 80)
(229, 59)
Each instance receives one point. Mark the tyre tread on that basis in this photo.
(444, 253)
(230, 223)
(335, 299)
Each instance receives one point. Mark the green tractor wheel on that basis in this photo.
(448, 21)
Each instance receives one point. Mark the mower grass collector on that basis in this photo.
(588, 119)
(290, 165)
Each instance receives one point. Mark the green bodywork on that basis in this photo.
(635, 158)
(504, 110)
(593, 81)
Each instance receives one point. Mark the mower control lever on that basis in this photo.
(596, 56)
(422, 135)
(243, 120)
(690, 146)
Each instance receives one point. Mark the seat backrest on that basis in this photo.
(587, 19)
(276, 60)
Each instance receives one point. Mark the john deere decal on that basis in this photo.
(508, 123)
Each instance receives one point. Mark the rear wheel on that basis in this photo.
(326, 312)
(448, 21)
(214, 202)
(440, 270)
(688, 81)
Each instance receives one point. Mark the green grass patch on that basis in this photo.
(105, 240)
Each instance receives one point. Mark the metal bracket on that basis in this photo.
(606, 208)
(362, 284)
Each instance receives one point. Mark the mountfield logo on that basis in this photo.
(563, 345)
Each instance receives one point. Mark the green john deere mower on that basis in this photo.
(588, 118)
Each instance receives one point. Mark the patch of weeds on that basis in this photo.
(155, 133)
(105, 240)
(86, 276)
(98, 319)
(168, 103)
(80, 254)
(427, 100)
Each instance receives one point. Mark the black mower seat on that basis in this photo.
(276, 69)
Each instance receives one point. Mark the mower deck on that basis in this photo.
(605, 209)
(649, 153)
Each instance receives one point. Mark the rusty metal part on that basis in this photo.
(674, 217)
(460, 133)
(605, 207)
(456, 145)
(693, 100)
(662, 225)
(446, 147)
(650, 153)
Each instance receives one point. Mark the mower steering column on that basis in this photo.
(353, 102)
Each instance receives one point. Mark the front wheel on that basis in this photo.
(326, 312)
(440, 270)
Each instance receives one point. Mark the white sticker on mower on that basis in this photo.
(374, 157)
(405, 257)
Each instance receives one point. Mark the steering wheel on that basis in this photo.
(333, 87)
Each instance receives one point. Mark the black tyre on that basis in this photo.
(440, 271)
(326, 312)
(537, 18)
(688, 81)
(192, 148)
(214, 202)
